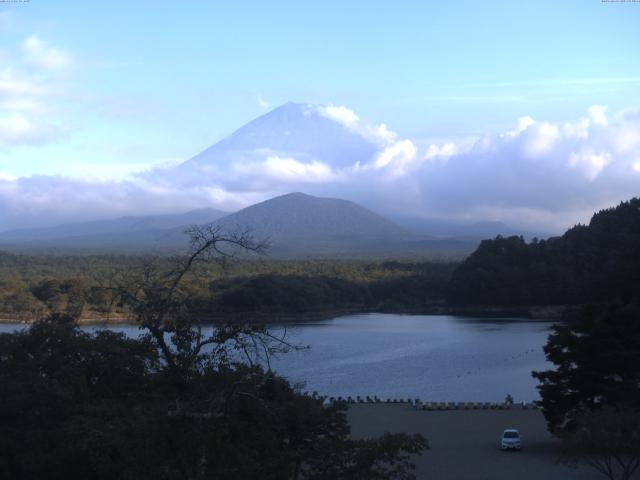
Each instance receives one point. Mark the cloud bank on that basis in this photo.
(538, 174)
(29, 83)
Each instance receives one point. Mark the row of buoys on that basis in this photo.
(519, 355)
(503, 361)
(500, 362)
(420, 405)
(474, 405)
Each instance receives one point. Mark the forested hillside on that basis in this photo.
(35, 286)
(588, 263)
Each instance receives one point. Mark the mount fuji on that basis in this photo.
(304, 132)
(295, 146)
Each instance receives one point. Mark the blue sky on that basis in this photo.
(127, 84)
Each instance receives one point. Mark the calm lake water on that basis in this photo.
(433, 357)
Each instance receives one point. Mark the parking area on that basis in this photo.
(464, 443)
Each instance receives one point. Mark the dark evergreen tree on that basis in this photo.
(588, 263)
(596, 356)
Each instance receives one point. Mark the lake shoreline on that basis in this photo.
(535, 312)
(436, 357)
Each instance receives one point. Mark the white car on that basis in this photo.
(510, 440)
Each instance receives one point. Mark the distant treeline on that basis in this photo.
(589, 263)
(34, 286)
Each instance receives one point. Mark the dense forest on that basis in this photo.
(588, 263)
(32, 287)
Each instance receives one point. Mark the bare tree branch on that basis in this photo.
(160, 303)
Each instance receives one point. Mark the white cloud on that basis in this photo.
(262, 103)
(627, 136)
(542, 168)
(29, 95)
(443, 151)
(20, 129)
(340, 114)
(13, 84)
(522, 125)
(397, 157)
(291, 169)
(378, 134)
(542, 138)
(579, 129)
(21, 105)
(44, 56)
(598, 115)
(540, 174)
(591, 163)
(105, 171)
(277, 169)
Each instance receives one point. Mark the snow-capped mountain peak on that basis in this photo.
(305, 132)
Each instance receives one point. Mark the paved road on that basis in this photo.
(464, 443)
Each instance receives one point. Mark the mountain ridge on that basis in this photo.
(297, 225)
(119, 225)
(304, 216)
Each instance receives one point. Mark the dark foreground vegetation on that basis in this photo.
(175, 404)
(75, 405)
(591, 399)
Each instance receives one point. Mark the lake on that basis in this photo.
(433, 357)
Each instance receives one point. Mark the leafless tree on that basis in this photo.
(160, 304)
